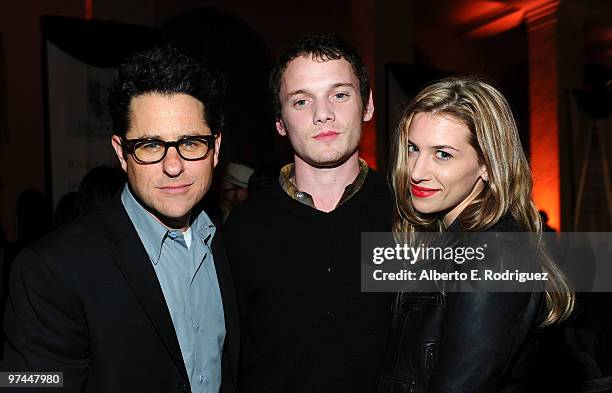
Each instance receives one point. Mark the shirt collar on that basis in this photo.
(287, 182)
(203, 229)
(153, 233)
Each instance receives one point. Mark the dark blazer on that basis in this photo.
(85, 300)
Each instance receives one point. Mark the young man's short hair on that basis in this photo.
(322, 48)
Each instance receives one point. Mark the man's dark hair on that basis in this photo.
(167, 71)
(323, 48)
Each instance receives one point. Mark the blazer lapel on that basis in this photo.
(133, 261)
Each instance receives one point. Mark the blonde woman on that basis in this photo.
(458, 166)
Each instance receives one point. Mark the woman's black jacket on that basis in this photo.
(463, 342)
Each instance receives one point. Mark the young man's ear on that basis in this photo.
(116, 142)
(280, 127)
(369, 110)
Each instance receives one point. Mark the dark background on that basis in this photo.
(552, 59)
(537, 51)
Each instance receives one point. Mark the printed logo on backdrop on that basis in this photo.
(98, 121)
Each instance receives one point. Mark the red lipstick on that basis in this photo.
(422, 192)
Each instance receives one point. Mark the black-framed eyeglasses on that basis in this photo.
(153, 150)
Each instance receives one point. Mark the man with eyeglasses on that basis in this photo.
(138, 298)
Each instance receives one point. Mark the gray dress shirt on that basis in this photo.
(186, 272)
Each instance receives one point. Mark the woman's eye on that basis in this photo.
(443, 155)
(412, 149)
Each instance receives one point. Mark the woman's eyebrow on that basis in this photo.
(444, 147)
(437, 147)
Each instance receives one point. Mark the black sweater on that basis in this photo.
(306, 326)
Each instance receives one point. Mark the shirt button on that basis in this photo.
(197, 328)
(201, 379)
(329, 269)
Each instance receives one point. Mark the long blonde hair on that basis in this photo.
(494, 136)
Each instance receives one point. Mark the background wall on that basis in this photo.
(21, 151)
(461, 36)
(278, 23)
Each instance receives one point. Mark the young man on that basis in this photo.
(138, 298)
(295, 248)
